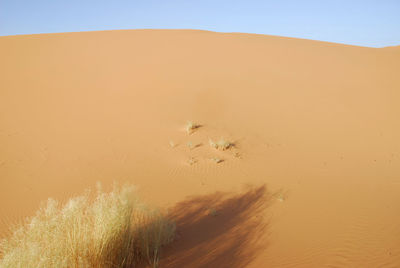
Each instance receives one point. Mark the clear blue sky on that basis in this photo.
(373, 23)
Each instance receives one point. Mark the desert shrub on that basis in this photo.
(191, 127)
(112, 230)
(221, 144)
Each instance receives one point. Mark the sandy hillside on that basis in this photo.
(313, 179)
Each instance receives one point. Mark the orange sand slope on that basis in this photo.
(312, 181)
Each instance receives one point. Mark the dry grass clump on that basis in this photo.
(114, 230)
(191, 127)
(217, 160)
(172, 144)
(190, 145)
(221, 144)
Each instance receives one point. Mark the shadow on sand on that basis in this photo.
(219, 230)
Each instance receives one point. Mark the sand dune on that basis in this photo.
(312, 181)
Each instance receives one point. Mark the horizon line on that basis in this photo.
(194, 29)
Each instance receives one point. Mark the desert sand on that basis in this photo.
(313, 178)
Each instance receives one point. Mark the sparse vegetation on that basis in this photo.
(280, 197)
(115, 230)
(217, 160)
(191, 127)
(190, 145)
(221, 144)
(172, 144)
